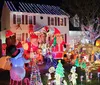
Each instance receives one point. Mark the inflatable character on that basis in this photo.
(57, 48)
(31, 47)
(17, 71)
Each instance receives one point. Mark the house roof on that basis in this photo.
(34, 8)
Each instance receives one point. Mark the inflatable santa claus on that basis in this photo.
(58, 45)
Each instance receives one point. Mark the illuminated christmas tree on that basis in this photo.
(35, 78)
(59, 74)
(60, 69)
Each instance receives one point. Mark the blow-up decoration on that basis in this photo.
(58, 44)
(31, 28)
(31, 46)
(4, 49)
(60, 69)
(9, 33)
(59, 73)
(17, 72)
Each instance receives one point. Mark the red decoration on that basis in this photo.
(9, 33)
(98, 69)
(33, 36)
(19, 45)
(46, 28)
(18, 26)
(56, 31)
(31, 30)
(58, 50)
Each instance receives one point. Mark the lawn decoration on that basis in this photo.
(58, 44)
(39, 57)
(4, 49)
(59, 73)
(17, 71)
(74, 75)
(31, 47)
(77, 62)
(10, 38)
(49, 55)
(98, 73)
(81, 78)
(50, 75)
(5, 64)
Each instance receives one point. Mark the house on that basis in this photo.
(17, 16)
(75, 32)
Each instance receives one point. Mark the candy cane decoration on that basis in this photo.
(26, 81)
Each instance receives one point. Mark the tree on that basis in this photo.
(88, 12)
(60, 69)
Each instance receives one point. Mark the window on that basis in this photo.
(52, 21)
(23, 19)
(22, 36)
(30, 19)
(61, 21)
(14, 19)
(55, 21)
(48, 20)
(26, 19)
(65, 22)
(34, 20)
(18, 19)
(58, 21)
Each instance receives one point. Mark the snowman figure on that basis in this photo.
(17, 72)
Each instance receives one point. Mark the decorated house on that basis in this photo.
(17, 17)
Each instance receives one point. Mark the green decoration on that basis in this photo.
(77, 62)
(60, 69)
(55, 41)
(83, 65)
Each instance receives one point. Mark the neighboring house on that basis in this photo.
(17, 16)
(75, 32)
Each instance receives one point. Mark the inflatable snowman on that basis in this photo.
(17, 72)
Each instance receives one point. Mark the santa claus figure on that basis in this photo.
(31, 47)
(58, 45)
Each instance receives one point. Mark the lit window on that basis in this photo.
(61, 22)
(30, 19)
(18, 19)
